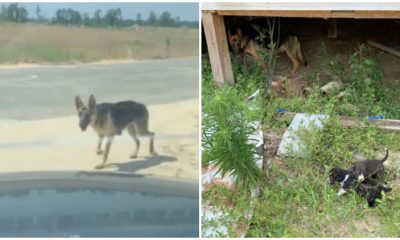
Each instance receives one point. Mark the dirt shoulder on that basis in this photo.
(72, 64)
(58, 144)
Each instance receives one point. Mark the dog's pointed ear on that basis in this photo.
(92, 102)
(78, 103)
(239, 32)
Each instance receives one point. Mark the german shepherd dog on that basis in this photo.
(109, 119)
(242, 45)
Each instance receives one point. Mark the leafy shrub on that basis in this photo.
(226, 129)
(365, 82)
(333, 67)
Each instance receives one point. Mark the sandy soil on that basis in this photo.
(72, 64)
(59, 144)
(12, 65)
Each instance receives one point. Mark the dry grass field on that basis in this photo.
(32, 43)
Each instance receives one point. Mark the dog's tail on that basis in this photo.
(386, 156)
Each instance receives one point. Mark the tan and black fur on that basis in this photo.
(292, 47)
(243, 45)
(109, 119)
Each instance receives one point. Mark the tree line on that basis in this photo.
(110, 18)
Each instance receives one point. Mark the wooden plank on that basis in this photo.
(342, 14)
(312, 13)
(332, 28)
(214, 29)
(274, 13)
(303, 6)
(384, 48)
(389, 125)
(377, 14)
(209, 11)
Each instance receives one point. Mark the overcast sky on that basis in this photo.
(186, 11)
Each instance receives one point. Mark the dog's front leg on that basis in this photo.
(341, 192)
(344, 185)
(107, 150)
(98, 150)
(361, 178)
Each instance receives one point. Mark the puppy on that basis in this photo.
(342, 176)
(371, 190)
(372, 168)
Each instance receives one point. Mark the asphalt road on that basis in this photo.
(49, 91)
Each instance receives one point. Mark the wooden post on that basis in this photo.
(214, 29)
(332, 28)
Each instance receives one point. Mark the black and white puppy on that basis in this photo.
(371, 168)
(344, 177)
(371, 190)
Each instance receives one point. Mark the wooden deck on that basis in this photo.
(213, 13)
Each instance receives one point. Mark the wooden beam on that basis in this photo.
(274, 13)
(302, 6)
(332, 28)
(312, 13)
(214, 29)
(384, 48)
(377, 14)
(389, 125)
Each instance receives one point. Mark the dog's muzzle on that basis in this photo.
(83, 127)
(84, 122)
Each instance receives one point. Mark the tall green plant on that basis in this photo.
(366, 78)
(226, 130)
(333, 67)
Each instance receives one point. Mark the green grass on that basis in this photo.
(296, 199)
(248, 78)
(38, 53)
(233, 204)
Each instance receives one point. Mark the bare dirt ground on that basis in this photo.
(58, 144)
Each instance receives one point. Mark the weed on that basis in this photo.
(231, 206)
(226, 130)
(334, 68)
